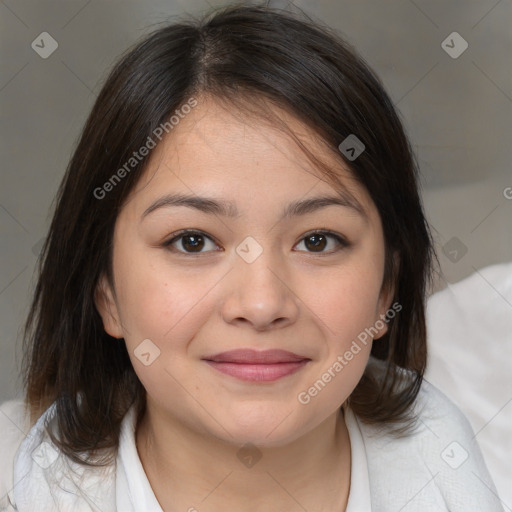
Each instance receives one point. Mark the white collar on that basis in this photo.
(359, 499)
(134, 492)
(44, 476)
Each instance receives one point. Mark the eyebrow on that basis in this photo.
(228, 208)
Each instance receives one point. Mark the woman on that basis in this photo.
(230, 308)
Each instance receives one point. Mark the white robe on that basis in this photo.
(439, 468)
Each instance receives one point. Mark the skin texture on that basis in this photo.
(313, 302)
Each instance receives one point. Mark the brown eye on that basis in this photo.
(316, 242)
(188, 242)
(319, 240)
(193, 243)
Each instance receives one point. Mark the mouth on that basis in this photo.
(259, 366)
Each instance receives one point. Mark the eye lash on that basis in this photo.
(182, 232)
(176, 236)
(324, 231)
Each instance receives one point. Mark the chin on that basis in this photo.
(261, 437)
(264, 428)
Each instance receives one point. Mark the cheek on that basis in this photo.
(165, 307)
(347, 301)
(155, 296)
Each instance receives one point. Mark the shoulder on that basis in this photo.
(14, 427)
(36, 473)
(439, 464)
(449, 446)
(436, 419)
(434, 409)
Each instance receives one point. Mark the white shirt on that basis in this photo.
(134, 488)
(438, 469)
(359, 496)
(134, 492)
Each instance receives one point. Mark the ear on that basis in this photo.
(107, 308)
(387, 293)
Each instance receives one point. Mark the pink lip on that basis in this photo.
(254, 365)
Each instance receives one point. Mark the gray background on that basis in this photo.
(457, 112)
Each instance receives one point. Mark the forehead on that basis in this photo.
(215, 149)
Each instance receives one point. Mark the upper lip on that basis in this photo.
(251, 356)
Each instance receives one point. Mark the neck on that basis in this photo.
(189, 470)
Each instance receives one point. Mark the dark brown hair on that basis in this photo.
(245, 57)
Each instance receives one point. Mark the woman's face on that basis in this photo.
(256, 273)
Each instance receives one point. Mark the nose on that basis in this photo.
(260, 295)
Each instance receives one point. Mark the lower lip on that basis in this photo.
(258, 372)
